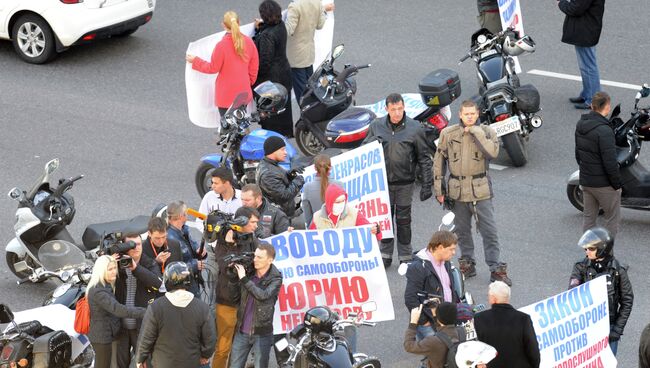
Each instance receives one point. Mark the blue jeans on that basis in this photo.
(423, 331)
(299, 77)
(589, 71)
(614, 346)
(242, 345)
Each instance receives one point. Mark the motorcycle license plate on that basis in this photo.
(507, 126)
(282, 344)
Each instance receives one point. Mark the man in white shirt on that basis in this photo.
(223, 196)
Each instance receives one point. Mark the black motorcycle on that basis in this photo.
(326, 118)
(320, 342)
(629, 136)
(509, 108)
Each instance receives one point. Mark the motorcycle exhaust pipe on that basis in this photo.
(536, 121)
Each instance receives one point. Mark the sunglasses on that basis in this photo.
(591, 249)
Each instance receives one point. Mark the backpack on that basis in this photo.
(452, 347)
(82, 316)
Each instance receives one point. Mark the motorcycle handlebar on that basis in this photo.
(345, 73)
(22, 281)
(65, 185)
(469, 54)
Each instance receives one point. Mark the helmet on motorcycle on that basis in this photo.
(515, 47)
(272, 97)
(320, 319)
(598, 238)
(177, 276)
(472, 353)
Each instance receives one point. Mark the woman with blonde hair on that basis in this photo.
(235, 59)
(313, 193)
(105, 311)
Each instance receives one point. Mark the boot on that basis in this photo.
(387, 262)
(467, 267)
(500, 274)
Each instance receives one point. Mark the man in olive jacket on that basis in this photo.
(466, 149)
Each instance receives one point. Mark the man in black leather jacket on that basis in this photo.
(404, 143)
(598, 244)
(273, 220)
(278, 186)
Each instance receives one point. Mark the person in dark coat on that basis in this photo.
(582, 26)
(158, 247)
(105, 311)
(272, 220)
(600, 177)
(178, 329)
(510, 331)
(644, 348)
(271, 42)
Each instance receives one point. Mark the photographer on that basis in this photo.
(136, 286)
(259, 292)
(231, 243)
(278, 186)
(158, 247)
(179, 231)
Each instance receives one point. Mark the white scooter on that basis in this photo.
(44, 213)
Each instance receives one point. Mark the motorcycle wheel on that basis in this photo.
(203, 178)
(307, 142)
(574, 192)
(13, 258)
(369, 362)
(516, 148)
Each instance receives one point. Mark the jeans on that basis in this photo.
(242, 345)
(589, 71)
(614, 346)
(464, 212)
(299, 77)
(423, 331)
(401, 197)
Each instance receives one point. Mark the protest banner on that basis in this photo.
(200, 87)
(572, 327)
(339, 268)
(510, 12)
(363, 173)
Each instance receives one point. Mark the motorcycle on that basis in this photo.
(509, 108)
(43, 215)
(319, 342)
(629, 135)
(43, 338)
(326, 118)
(242, 149)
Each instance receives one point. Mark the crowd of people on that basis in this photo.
(151, 311)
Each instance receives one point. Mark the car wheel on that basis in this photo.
(33, 39)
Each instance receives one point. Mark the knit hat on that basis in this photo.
(272, 144)
(446, 313)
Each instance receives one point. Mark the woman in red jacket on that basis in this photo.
(236, 60)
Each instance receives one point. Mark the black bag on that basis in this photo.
(452, 346)
(527, 98)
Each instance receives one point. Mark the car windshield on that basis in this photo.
(240, 101)
(60, 254)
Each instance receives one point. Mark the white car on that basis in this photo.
(39, 29)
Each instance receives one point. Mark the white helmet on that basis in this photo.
(516, 47)
(471, 353)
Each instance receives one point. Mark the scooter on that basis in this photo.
(319, 342)
(629, 135)
(43, 337)
(509, 108)
(43, 215)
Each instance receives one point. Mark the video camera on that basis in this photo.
(245, 259)
(112, 244)
(429, 300)
(217, 224)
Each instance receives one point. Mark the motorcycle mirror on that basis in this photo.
(6, 315)
(645, 90)
(616, 111)
(338, 51)
(51, 166)
(448, 219)
(14, 193)
(368, 307)
(481, 39)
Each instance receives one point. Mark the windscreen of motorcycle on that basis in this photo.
(59, 254)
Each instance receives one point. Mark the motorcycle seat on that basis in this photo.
(94, 232)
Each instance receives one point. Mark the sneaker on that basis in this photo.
(582, 106)
(576, 100)
(500, 274)
(467, 267)
(387, 262)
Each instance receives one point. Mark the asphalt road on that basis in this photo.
(116, 112)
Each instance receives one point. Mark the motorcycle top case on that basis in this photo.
(440, 87)
(252, 145)
(527, 98)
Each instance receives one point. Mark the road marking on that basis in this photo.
(577, 78)
(498, 167)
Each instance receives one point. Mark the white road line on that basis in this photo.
(498, 167)
(577, 78)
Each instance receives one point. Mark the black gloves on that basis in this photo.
(294, 172)
(425, 192)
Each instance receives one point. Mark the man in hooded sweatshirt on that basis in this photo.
(600, 177)
(178, 329)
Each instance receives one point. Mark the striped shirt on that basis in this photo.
(131, 286)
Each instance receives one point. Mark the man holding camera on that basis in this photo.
(179, 231)
(277, 185)
(136, 285)
(273, 220)
(259, 292)
(158, 247)
(235, 241)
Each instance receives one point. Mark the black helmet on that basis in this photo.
(272, 97)
(177, 276)
(598, 238)
(320, 319)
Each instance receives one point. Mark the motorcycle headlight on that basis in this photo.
(61, 290)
